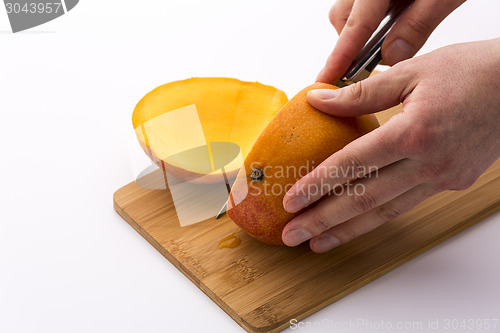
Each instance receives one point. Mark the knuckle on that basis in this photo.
(362, 203)
(420, 139)
(346, 234)
(332, 14)
(336, 16)
(357, 92)
(404, 69)
(387, 212)
(319, 223)
(398, 68)
(419, 26)
(433, 171)
(350, 164)
(360, 25)
(339, 13)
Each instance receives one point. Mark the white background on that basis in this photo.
(69, 263)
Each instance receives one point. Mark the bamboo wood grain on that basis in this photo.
(263, 287)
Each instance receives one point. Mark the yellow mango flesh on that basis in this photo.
(297, 139)
(182, 124)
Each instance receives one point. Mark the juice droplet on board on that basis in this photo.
(229, 241)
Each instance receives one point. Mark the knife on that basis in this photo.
(370, 56)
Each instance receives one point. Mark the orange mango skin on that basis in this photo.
(297, 139)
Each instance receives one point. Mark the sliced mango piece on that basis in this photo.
(191, 127)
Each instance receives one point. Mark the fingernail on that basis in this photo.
(296, 236)
(323, 94)
(296, 204)
(325, 243)
(397, 51)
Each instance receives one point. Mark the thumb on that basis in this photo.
(376, 93)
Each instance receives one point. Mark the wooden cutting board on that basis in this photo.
(263, 287)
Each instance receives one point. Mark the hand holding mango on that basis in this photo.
(446, 136)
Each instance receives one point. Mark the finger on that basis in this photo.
(369, 153)
(364, 18)
(373, 94)
(340, 13)
(414, 27)
(354, 199)
(361, 224)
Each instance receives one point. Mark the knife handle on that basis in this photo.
(371, 54)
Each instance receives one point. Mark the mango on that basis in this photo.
(295, 141)
(193, 127)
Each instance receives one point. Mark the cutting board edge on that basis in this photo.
(354, 285)
(402, 259)
(177, 264)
